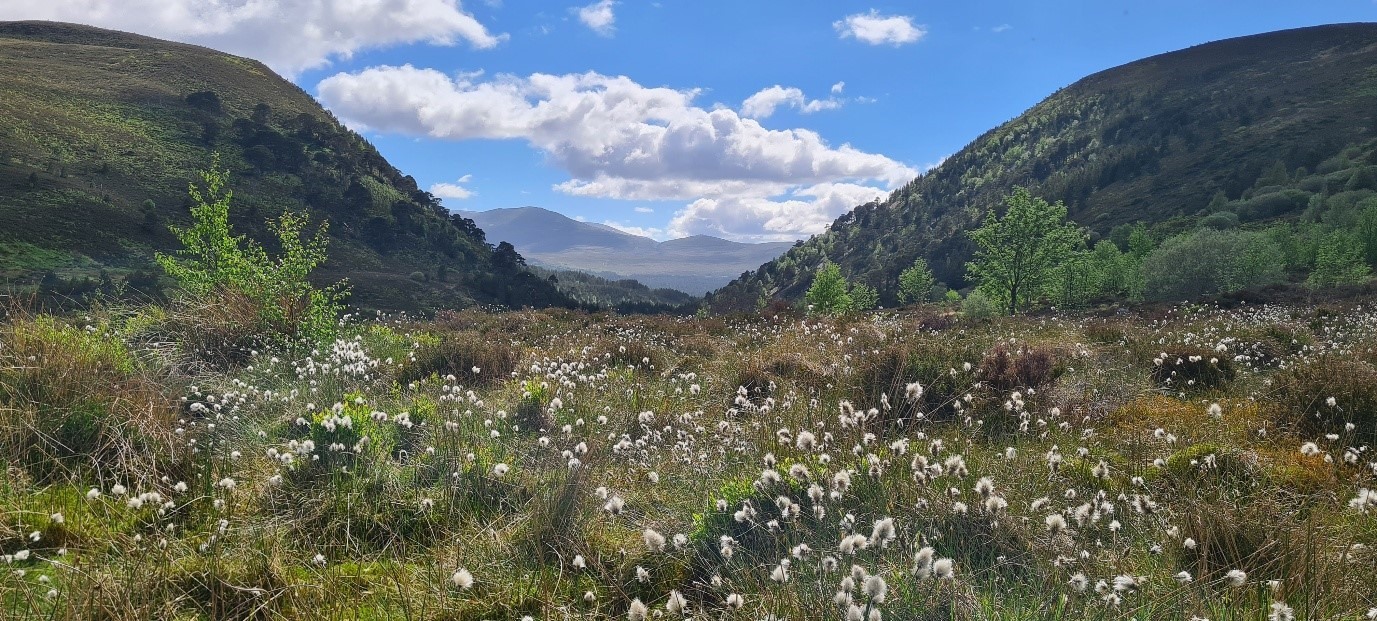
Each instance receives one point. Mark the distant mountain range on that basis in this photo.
(695, 265)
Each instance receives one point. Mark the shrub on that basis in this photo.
(1339, 260)
(1220, 220)
(1302, 393)
(827, 294)
(978, 307)
(1208, 262)
(915, 282)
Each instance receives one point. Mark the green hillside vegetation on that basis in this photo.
(1272, 135)
(100, 133)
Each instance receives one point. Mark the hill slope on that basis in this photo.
(1256, 125)
(101, 131)
(694, 264)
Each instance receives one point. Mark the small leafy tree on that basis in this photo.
(863, 297)
(915, 282)
(1018, 254)
(828, 293)
(213, 261)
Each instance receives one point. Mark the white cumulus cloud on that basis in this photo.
(877, 29)
(838, 88)
(599, 17)
(288, 35)
(619, 139)
(764, 103)
(454, 190)
(643, 231)
(798, 213)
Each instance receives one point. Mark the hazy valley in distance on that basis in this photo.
(695, 265)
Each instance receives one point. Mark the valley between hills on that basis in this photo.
(1114, 359)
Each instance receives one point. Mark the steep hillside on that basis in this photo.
(101, 131)
(695, 264)
(1268, 126)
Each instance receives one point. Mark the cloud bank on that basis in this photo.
(619, 139)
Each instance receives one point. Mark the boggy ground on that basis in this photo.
(1199, 462)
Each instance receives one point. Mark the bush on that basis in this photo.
(828, 295)
(1208, 262)
(1264, 206)
(1303, 390)
(1220, 221)
(978, 307)
(915, 282)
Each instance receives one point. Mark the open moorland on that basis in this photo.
(1175, 462)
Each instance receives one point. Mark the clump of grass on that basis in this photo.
(941, 366)
(471, 358)
(1192, 368)
(1326, 395)
(220, 332)
(76, 401)
(1021, 369)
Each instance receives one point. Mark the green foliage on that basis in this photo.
(1366, 231)
(915, 282)
(1339, 261)
(828, 293)
(864, 297)
(979, 306)
(1208, 262)
(213, 262)
(831, 294)
(1019, 254)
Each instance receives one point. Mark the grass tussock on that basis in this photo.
(77, 401)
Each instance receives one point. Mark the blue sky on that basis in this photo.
(642, 115)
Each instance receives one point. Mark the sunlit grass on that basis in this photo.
(1048, 463)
